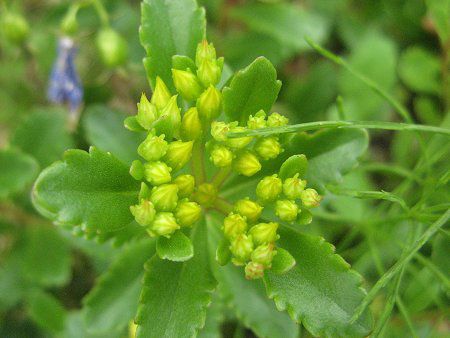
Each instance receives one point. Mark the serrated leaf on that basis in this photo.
(104, 129)
(251, 89)
(17, 170)
(296, 164)
(214, 319)
(46, 311)
(177, 248)
(92, 189)
(44, 135)
(175, 295)
(169, 28)
(320, 291)
(282, 262)
(113, 302)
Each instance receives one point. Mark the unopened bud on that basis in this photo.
(310, 198)
(258, 121)
(204, 52)
(206, 194)
(241, 247)
(234, 225)
(209, 104)
(277, 120)
(165, 197)
(254, 270)
(221, 156)
(186, 84)
(161, 95)
(157, 173)
(219, 130)
(209, 72)
(251, 210)
(187, 213)
(112, 47)
(264, 254)
(268, 147)
(263, 233)
(147, 113)
(137, 170)
(153, 147)
(286, 210)
(144, 212)
(144, 191)
(164, 224)
(247, 164)
(191, 126)
(169, 120)
(69, 24)
(269, 188)
(178, 154)
(238, 142)
(293, 187)
(15, 27)
(185, 184)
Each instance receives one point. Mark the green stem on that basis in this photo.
(404, 311)
(101, 11)
(223, 206)
(197, 165)
(221, 176)
(434, 269)
(391, 169)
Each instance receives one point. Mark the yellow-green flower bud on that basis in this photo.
(221, 156)
(204, 52)
(157, 173)
(137, 170)
(263, 254)
(247, 164)
(147, 113)
(169, 120)
(241, 247)
(277, 120)
(178, 154)
(209, 72)
(219, 130)
(206, 194)
(153, 147)
(112, 47)
(268, 147)
(238, 142)
(254, 270)
(164, 224)
(258, 121)
(286, 210)
(263, 233)
(15, 27)
(186, 185)
(144, 212)
(69, 24)
(251, 210)
(144, 191)
(234, 225)
(186, 84)
(269, 188)
(191, 126)
(187, 213)
(209, 104)
(293, 187)
(310, 198)
(161, 95)
(165, 197)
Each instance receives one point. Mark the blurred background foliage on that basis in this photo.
(402, 45)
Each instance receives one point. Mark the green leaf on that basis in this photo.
(282, 262)
(177, 248)
(183, 62)
(17, 170)
(76, 328)
(251, 89)
(46, 311)
(169, 28)
(44, 135)
(320, 291)
(214, 319)
(296, 164)
(175, 294)
(441, 253)
(104, 129)
(132, 124)
(439, 10)
(93, 190)
(113, 302)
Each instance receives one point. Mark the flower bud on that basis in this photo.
(165, 197)
(268, 147)
(178, 154)
(14, 27)
(310, 198)
(206, 194)
(187, 213)
(219, 130)
(157, 173)
(254, 270)
(153, 147)
(144, 212)
(144, 191)
(137, 170)
(209, 72)
(69, 24)
(277, 120)
(247, 164)
(161, 95)
(269, 188)
(238, 142)
(234, 225)
(147, 113)
(293, 187)
(169, 120)
(164, 224)
(221, 156)
(204, 52)
(191, 126)
(209, 104)
(263, 233)
(186, 84)
(264, 254)
(286, 210)
(241, 247)
(251, 210)
(258, 121)
(185, 184)
(112, 47)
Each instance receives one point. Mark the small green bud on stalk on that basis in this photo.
(209, 104)
(221, 156)
(69, 24)
(164, 224)
(161, 95)
(258, 121)
(206, 194)
(147, 113)
(157, 173)
(269, 188)
(238, 142)
(264, 254)
(277, 120)
(219, 130)
(254, 270)
(144, 192)
(153, 147)
(268, 147)
(187, 213)
(112, 47)
(186, 84)
(310, 198)
(178, 154)
(185, 184)
(286, 210)
(204, 52)
(209, 72)
(144, 212)
(251, 210)
(293, 187)
(247, 164)
(137, 170)
(234, 225)
(263, 233)
(15, 27)
(241, 247)
(169, 121)
(165, 197)
(191, 126)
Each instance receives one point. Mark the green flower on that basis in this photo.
(234, 225)
(251, 210)
(277, 120)
(187, 84)
(161, 95)
(241, 247)
(185, 184)
(254, 270)
(144, 212)
(293, 187)
(153, 147)
(264, 254)
(165, 197)
(164, 224)
(221, 156)
(178, 154)
(157, 173)
(247, 164)
(286, 210)
(269, 188)
(191, 126)
(310, 198)
(268, 147)
(187, 213)
(147, 113)
(264, 233)
(209, 104)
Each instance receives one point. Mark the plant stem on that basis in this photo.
(404, 311)
(223, 206)
(101, 11)
(197, 165)
(221, 176)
